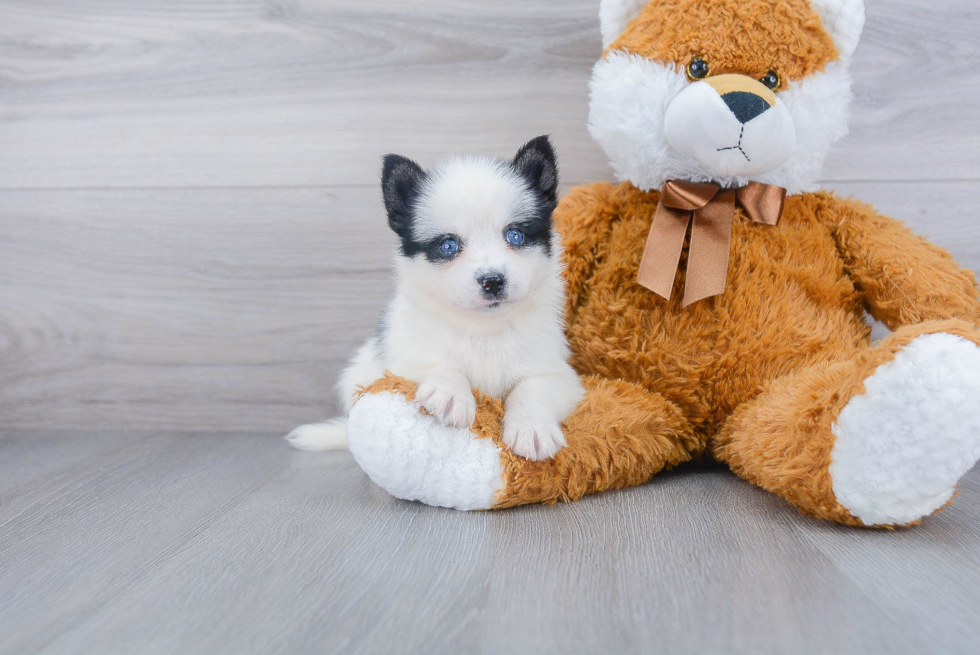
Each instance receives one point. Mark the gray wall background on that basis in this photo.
(191, 235)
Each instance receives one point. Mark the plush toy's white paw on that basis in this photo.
(532, 437)
(415, 457)
(450, 401)
(903, 445)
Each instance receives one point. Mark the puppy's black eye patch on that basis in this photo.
(535, 232)
(438, 250)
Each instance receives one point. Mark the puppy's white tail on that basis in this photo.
(329, 435)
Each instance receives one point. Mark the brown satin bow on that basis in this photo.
(713, 212)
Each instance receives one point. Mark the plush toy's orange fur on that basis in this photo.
(753, 378)
(618, 437)
(757, 377)
(735, 36)
(759, 373)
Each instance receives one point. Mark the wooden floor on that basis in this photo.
(191, 244)
(186, 543)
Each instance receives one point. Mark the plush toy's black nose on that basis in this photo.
(492, 284)
(745, 105)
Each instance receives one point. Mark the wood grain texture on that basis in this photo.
(186, 252)
(215, 308)
(108, 93)
(90, 527)
(191, 239)
(232, 309)
(170, 543)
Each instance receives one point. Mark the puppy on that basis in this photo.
(478, 303)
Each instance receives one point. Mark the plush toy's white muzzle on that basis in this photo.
(732, 125)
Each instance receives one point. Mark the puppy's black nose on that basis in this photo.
(492, 284)
(745, 105)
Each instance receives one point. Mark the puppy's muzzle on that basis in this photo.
(745, 97)
(492, 284)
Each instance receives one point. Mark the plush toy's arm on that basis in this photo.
(904, 279)
(582, 219)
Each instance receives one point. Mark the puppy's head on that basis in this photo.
(476, 233)
(725, 91)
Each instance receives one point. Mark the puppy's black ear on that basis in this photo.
(535, 162)
(401, 179)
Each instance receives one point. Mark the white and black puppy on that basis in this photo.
(479, 299)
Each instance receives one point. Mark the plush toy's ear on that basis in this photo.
(615, 15)
(401, 179)
(536, 163)
(844, 20)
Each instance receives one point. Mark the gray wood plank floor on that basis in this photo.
(191, 243)
(147, 542)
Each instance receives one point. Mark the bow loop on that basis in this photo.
(711, 210)
(688, 196)
(763, 203)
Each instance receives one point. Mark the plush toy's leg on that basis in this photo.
(879, 440)
(619, 436)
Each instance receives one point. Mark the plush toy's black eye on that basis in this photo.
(771, 79)
(698, 69)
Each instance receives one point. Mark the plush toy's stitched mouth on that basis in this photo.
(737, 146)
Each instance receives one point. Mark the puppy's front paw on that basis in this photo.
(532, 437)
(453, 404)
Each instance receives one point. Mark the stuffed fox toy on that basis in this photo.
(716, 299)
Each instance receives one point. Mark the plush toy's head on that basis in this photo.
(723, 91)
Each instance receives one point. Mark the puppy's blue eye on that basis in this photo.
(515, 237)
(449, 247)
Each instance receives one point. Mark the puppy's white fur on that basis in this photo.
(442, 331)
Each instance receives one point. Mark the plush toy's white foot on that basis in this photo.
(415, 457)
(903, 445)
